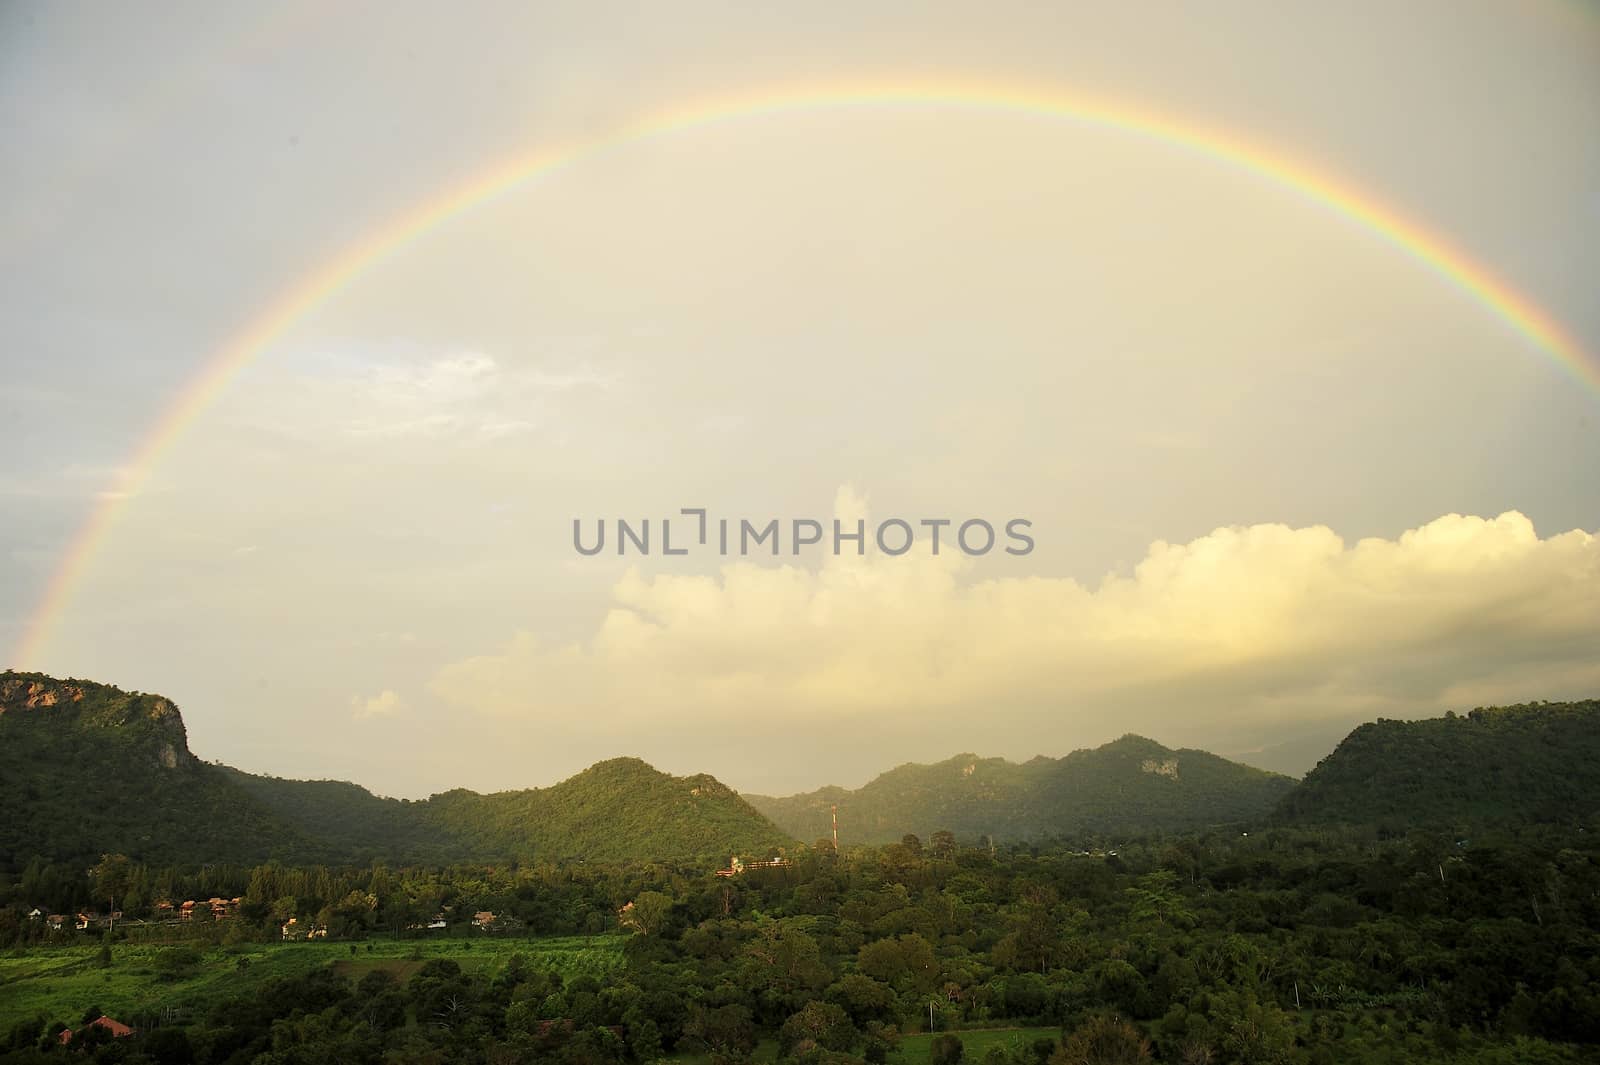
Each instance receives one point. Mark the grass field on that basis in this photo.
(61, 982)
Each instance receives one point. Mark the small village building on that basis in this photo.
(116, 1028)
(224, 909)
(736, 867)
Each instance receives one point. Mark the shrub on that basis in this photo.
(947, 1049)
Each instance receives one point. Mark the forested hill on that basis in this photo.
(619, 810)
(1131, 785)
(87, 768)
(1535, 762)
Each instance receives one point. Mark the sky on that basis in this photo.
(1281, 475)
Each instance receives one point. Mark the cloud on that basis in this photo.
(1243, 632)
(385, 704)
(466, 397)
(73, 482)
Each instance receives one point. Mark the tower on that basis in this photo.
(836, 828)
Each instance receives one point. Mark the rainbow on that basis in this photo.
(318, 286)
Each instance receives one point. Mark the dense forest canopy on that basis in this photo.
(1289, 945)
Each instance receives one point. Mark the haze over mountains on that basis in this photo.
(86, 768)
(1130, 785)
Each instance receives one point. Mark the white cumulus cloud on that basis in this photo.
(385, 704)
(1243, 632)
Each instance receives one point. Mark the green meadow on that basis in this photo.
(144, 980)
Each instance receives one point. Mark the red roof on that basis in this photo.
(116, 1028)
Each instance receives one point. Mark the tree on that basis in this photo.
(946, 1049)
(644, 1039)
(727, 1030)
(818, 1024)
(647, 913)
(862, 997)
(1253, 1032)
(1103, 1040)
(110, 877)
(169, 1046)
(907, 962)
(1156, 899)
(943, 843)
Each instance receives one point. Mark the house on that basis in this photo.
(432, 925)
(35, 914)
(186, 911)
(86, 919)
(735, 866)
(483, 918)
(116, 1028)
(292, 929)
(56, 921)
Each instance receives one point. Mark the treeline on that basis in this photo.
(1290, 945)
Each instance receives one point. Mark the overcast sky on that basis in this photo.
(1282, 476)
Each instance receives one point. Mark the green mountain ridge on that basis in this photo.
(1530, 763)
(1132, 784)
(87, 768)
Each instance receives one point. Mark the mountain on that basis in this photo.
(615, 810)
(618, 810)
(87, 768)
(1535, 762)
(1129, 785)
(350, 821)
